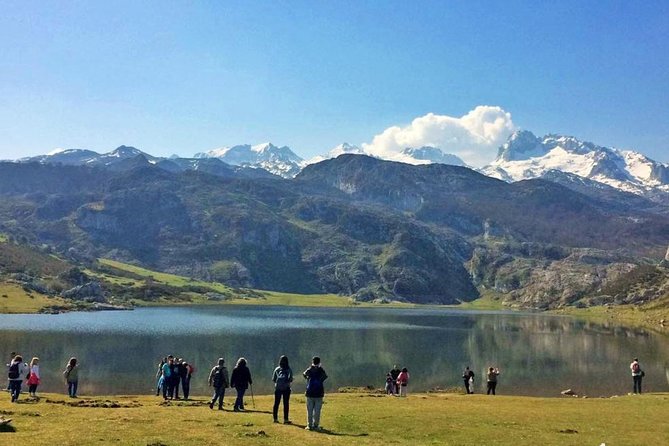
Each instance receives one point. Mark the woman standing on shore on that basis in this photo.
(240, 380)
(71, 374)
(492, 379)
(282, 377)
(33, 377)
(403, 381)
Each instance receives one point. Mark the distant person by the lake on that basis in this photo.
(403, 382)
(168, 389)
(218, 379)
(394, 373)
(160, 379)
(71, 374)
(491, 377)
(186, 373)
(637, 375)
(33, 377)
(390, 385)
(176, 376)
(16, 372)
(315, 376)
(468, 377)
(282, 379)
(240, 380)
(11, 358)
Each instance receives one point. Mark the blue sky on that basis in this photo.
(185, 77)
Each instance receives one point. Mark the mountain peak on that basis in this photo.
(432, 155)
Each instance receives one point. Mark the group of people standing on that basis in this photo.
(172, 372)
(282, 377)
(491, 380)
(18, 372)
(397, 381)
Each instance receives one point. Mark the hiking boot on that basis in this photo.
(287, 422)
(308, 428)
(276, 420)
(220, 407)
(211, 405)
(236, 409)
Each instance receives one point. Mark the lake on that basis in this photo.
(537, 354)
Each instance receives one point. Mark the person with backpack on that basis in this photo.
(282, 377)
(492, 379)
(468, 377)
(637, 375)
(33, 377)
(394, 373)
(315, 376)
(218, 379)
(71, 374)
(16, 372)
(403, 382)
(240, 380)
(11, 359)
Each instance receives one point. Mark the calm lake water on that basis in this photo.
(537, 354)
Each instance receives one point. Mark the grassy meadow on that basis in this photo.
(347, 419)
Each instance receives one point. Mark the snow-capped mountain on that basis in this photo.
(277, 160)
(336, 151)
(526, 156)
(428, 154)
(80, 157)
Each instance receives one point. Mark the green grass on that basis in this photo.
(348, 419)
(14, 299)
(3, 238)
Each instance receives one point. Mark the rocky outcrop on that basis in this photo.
(89, 292)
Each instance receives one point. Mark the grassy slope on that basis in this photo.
(350, 419)
(19, 301)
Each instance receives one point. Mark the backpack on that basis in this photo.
(315, 384)
(282, 379)
(218, 377)
(636, 368)
(13, 371)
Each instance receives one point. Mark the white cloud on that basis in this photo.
(473, 137)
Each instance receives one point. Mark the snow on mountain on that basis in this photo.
(526, 156)
(277, 160)
(80, 157)
(431, 155)
(335, 152)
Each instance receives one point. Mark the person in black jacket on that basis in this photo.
(315, 376)
(468, 377)
(240, 380)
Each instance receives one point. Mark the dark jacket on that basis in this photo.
(315, 372)
(241, 377)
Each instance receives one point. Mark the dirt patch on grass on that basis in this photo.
(106, 404)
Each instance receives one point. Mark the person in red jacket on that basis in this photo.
(403, 381)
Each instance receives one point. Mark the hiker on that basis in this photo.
(403, 382)
(390, 384)
(33, 377)
(168, 389)
(218, 379)
(468, 377)
(240, 380)
(282, 377)
(176, 376)
(394, 373)
(160, 379)
(71, 374)
(11, 359)
(492, 379)
(186, 373)
(15, 373)
(637, 375)
(315, 376)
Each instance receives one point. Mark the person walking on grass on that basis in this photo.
(218, 379)
(468, 377)
(33, 377)
(637, 375)
(16, 372)
(186, 374)
(282, 378)
(11, 359)
(240, 380)
(71, 375)
(403, 382)
(315, 376)
(491, 378)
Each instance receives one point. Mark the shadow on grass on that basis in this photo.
(328, 431)
(7, 428)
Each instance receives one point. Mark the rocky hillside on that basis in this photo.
(353, 225)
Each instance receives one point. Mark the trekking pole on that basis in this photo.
(253, 399)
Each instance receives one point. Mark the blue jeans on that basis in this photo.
(239, 402)
(314, 406)
(637, 383)
(219, 393)
(15, 388)
(72, 388)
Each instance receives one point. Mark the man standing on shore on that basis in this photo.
(394, 373)
(637, 374)
(315, 376)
